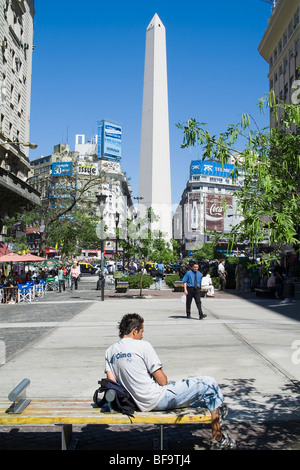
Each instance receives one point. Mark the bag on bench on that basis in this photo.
(123, 402)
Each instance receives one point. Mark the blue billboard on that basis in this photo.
(109, 140)
(202, 167)
(62, 168)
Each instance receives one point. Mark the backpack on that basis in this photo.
(123, 403)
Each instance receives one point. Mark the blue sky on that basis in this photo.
(88, 65)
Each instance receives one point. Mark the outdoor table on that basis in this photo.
(10, 294)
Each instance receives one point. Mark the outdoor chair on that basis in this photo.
(52, 285)
(40, 288)
(24, 293)
(1, 293)
(31, 285)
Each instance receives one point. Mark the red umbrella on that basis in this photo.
(29, 257)
(10, 258)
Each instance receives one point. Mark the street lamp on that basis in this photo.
(117, 215)
(117, 237)
(101, 198)
(26, 144)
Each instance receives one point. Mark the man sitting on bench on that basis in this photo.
(136, 366)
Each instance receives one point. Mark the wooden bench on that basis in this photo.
(122, 286)
(68, 412)
(178, 287)
(264, 292)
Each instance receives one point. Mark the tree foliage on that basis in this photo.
(66, 216)
(145, 244)
(269, 199)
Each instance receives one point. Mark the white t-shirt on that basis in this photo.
(206, 281)
(132, 362)
(221, 268)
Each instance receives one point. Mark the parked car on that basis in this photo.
(87, 268)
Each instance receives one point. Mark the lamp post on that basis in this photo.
(101, 198)
(117, 237)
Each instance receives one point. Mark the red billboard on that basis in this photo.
(214, 211)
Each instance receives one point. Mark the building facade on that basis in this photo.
(105, 149)
(47, 173)
(207, 205)
(16, 44)
(280, 47)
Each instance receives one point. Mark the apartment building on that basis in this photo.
(280, 47)
(207, 204)
(47, 172)
(16, 44)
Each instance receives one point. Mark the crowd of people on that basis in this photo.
(63, 276)
(67, 276)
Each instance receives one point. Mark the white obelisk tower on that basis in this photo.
(155, 173)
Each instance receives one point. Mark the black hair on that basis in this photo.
(129, 322)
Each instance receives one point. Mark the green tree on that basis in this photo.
(66, 215)
(269, 199)
(206, 252)
(71, 232)
(146, 244)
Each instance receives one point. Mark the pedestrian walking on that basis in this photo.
(74, 273)
(61, 279)
(159, 274)
(192, 290)
(222, 275)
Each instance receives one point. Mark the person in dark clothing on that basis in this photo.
(192, 289)
(182, 270)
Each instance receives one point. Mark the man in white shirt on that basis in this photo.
(135, 365)
(206, 284)
(222, 275)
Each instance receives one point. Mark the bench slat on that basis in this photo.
(41, 412)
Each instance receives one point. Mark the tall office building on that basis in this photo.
(155, 174)
(16, 39)
(280, 47)
(201, 208)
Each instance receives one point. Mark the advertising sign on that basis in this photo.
(84, 168)
(200, 167)
(214, 211)
(109, 140)
(62, 168)
(194, 212)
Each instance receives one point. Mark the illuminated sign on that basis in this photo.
(202, 167)
(109, 140)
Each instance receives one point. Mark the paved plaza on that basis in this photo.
(250, 345)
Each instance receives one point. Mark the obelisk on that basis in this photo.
(155, 173)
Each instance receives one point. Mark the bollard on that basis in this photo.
(18, 397)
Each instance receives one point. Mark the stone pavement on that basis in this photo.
(250, 345)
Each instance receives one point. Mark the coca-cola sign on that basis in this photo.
(194, 211)
(214, 211)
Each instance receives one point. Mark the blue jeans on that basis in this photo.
(158, 282)
(193, 392)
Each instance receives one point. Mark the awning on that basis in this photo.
(10, 258)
